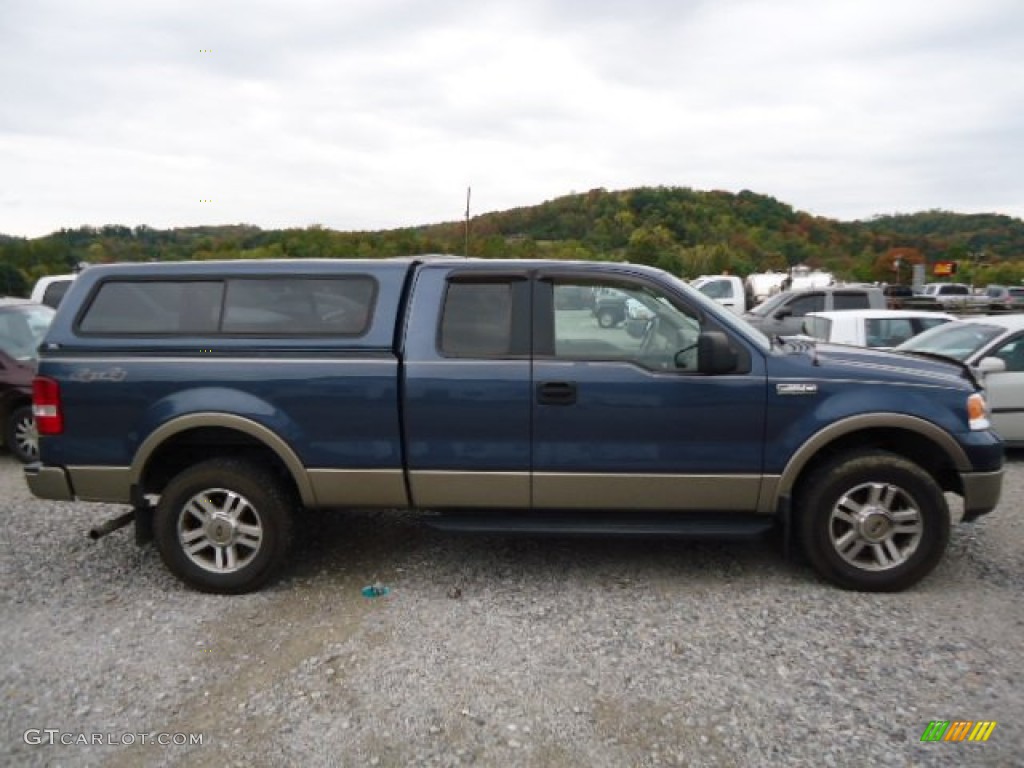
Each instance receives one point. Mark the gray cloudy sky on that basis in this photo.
(369, 114)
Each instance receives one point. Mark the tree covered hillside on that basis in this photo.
(685, 231)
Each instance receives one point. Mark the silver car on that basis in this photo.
(993, 345)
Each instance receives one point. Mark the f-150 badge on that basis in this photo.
(796, 389)
(86, 375)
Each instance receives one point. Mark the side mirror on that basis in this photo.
(989, 365)
(715, 354)
(783, 313)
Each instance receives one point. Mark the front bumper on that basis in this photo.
(981, 492)
(48, 482)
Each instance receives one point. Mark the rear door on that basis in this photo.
(621, 419)
(466, 388)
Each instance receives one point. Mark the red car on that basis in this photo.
(22, 327)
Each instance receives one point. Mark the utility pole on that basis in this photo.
(468, 192)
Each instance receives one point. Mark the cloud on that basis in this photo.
(371, 114)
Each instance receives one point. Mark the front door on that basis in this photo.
(621, 417)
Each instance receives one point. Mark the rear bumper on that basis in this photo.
(107, 484)
(48, 482)
(981, 492)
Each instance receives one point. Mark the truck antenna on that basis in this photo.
(469, 190)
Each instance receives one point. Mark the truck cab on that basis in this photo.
(727, 290)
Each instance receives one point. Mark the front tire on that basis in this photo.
(873, 521)
(21, 436)
(224, 526)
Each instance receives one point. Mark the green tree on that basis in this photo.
(12, 281)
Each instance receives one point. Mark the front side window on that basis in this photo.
(818, 327)
(1012, 353)
(888, 332)
(649, 329)
(811, 302)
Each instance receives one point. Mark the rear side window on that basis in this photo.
(477, 320)
(717, 289)
(850, 300)
(239, 306)
(299, 306)
(54, 293)
(151, 306)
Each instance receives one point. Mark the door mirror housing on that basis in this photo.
(715, 353)
(989, 365)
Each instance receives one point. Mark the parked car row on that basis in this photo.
(1005, 298)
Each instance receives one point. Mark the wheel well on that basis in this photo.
(8, 406)
(13, 402)
(196, 445)
(910, 445)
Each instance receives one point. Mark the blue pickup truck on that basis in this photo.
(217, 399)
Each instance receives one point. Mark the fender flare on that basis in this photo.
(799, 460)
(249, 427)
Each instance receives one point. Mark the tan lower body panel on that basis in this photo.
(358, 487)
(697, 493)
(486, 490)
(109, 484)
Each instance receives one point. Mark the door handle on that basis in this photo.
(556, 393)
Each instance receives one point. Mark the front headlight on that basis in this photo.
(977, 412)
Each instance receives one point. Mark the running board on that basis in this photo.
(726, 525)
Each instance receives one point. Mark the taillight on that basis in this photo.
(46, 406)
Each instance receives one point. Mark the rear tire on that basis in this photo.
(872, 521)
(224, 526)
(21, 436)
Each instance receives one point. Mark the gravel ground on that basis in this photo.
(495, 651)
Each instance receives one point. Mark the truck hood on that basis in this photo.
(835, 361)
